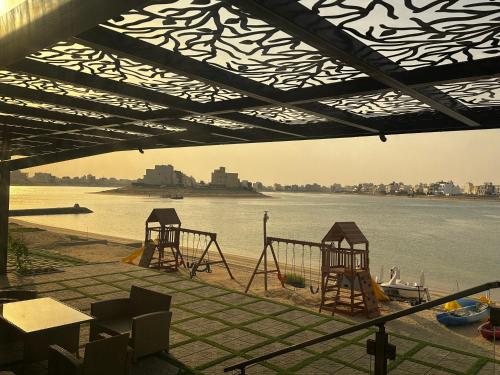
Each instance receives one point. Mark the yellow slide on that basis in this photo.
(136, 254)
(379, 293)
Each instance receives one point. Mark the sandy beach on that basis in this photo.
(112, 249)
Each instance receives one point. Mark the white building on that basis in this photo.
(444, 188)
(160, 175)
(224, 179)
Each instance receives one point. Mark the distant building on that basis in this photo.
(421, 189)
(444, 188)
(469, 189)
(486, 189)
(258, 186)
(43, 178)
(278, 187)
(336, 188)
(222, 178)
(18, 178)
(380, 189)
(160, 175)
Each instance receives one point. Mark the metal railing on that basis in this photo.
(379, 347)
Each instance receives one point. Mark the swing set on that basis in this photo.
(343, 265)
(292, 261)
(168, 246)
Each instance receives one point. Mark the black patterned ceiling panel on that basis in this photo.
(32, 118)
(159, 126)
(284, 115)
(378, 104)
(36, 83)
(85, 59)
(480, 93)
(50, 107)
(214, 121)
(125, 132)
(222, 35)
(418, 33)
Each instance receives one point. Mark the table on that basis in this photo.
(43, 322)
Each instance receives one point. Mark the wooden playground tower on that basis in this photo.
(346, 283)
(162, 241)
(162, 234)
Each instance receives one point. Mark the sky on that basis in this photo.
(459, 156)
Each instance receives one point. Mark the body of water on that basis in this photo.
(451, 240)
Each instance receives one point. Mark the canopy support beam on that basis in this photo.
(4, 203)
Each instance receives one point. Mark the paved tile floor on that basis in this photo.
(214, 328)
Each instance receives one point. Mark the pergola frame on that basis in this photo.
(96, 113)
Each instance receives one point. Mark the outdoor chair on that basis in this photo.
(108, 355)
(145, 316)
(13, 295)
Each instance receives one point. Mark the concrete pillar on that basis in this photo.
(4, 205)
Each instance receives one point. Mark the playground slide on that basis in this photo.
(379, 293)
(136, 254)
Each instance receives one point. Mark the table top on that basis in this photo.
(40, 314)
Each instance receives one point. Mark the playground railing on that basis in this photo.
(380, 347)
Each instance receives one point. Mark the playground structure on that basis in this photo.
(168, 246)
(346, 283)
(344, 277)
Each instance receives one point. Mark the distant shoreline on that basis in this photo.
(168, 192)
(417, 196)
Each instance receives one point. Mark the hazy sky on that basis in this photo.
(459, 156)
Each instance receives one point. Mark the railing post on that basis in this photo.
(381, 349)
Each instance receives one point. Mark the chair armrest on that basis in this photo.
(152, 320)
(150, 333)
(62, 362)
(110, 309)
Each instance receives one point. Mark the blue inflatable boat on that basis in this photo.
(478, 312)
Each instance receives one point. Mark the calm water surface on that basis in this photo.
(450, 240)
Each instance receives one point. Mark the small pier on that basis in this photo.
(76, 209)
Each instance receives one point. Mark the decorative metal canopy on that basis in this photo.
(180, 73)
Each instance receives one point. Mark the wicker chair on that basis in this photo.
(145, 316)
(109, 355)
(13, 295)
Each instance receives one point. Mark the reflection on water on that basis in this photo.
(450, 240)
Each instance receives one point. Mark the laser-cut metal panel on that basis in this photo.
(50, 107)
(383, 103)
(36, 83)
(85, 59)
(220, 34)
(284, 115)
(218, 122)
(417, 33)
(481, 93)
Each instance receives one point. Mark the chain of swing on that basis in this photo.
(193, 245)
(291, 258)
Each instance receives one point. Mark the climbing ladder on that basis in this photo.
(353, 297)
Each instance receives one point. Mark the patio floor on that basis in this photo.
(214, 327)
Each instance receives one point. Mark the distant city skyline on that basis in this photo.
(459, 156)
